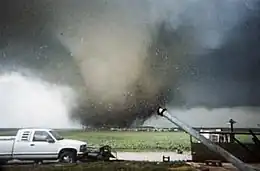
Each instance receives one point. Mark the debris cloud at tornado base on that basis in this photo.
(124, 61)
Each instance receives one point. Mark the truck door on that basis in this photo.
(41, 147)
(21, 145)
(34, 145)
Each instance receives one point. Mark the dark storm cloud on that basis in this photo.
(229, 75)
(27, 44)
(193, 53)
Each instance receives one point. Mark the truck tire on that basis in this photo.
(67, 157)
(3, 162)
(38, 161)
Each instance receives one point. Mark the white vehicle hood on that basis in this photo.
(70, 142)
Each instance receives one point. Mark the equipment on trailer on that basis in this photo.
(103, 153)
(211, 145)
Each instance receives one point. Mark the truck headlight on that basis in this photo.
(83, 148)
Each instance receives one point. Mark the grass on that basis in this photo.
(246, 138)
(140, 141)
(134, 141)
(106, 166)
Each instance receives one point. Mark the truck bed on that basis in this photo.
(7, 138)
(6, 146)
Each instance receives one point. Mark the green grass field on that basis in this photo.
(140, 141)
(135, 141)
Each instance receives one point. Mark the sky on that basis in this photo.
(122, 59)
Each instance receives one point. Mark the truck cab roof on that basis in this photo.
(35, 129)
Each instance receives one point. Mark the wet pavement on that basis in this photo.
(152, 156)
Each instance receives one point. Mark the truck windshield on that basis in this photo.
(56, 135)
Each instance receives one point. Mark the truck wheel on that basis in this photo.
(38, 161)
(67, 157)
(3, 162)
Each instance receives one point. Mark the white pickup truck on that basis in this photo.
(39, 145)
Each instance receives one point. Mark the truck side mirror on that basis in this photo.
(50, 140)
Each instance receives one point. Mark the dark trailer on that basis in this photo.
(243, 145)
